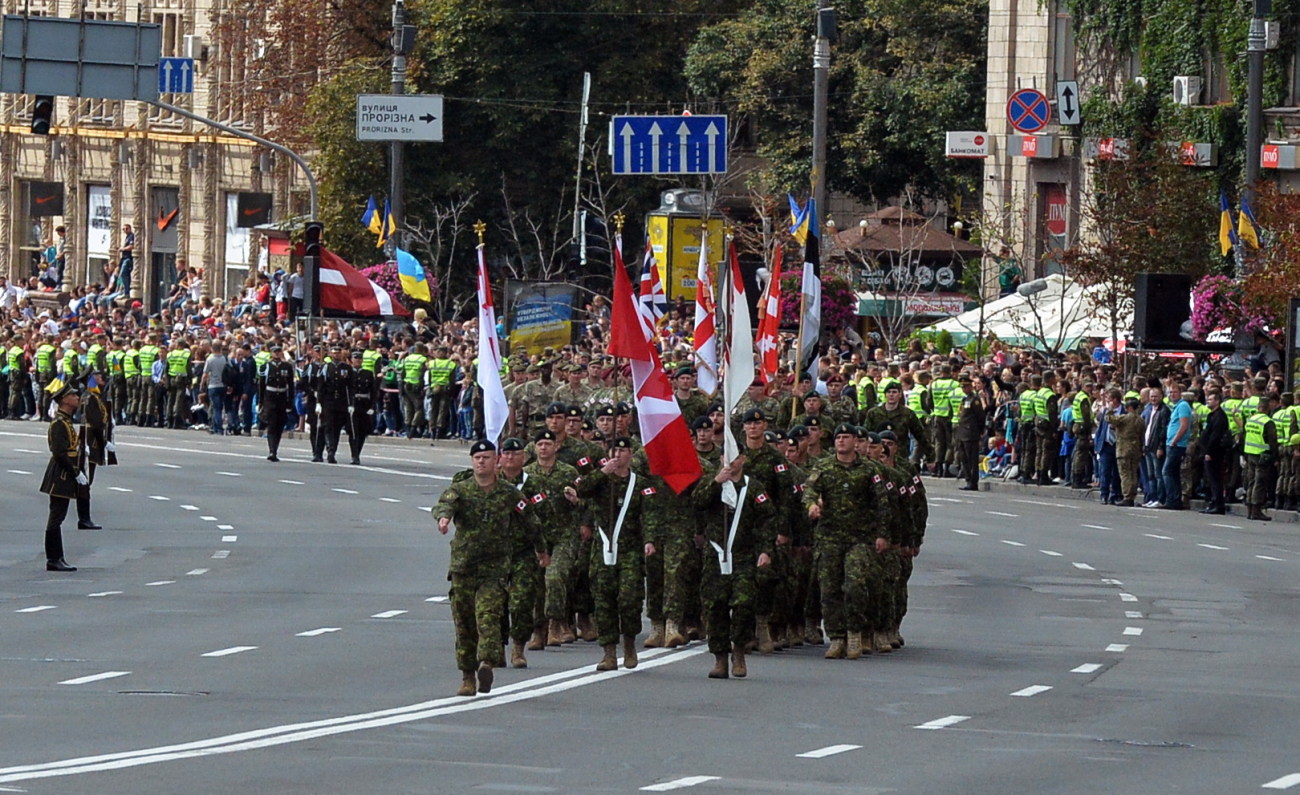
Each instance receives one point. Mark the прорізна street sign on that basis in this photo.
(399, 117)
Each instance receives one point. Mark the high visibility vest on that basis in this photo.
(866, 393)
(1131, 395)
(440, 371)
(1027, 406)
(1040, 403)
(71, 363)
(1202, 411)
(370, 360)
(1232, 407)
(412, 366)
(131, 363)
(1250, 406)
(45, 358)
(115, 362)
(941, 390)
(148, 355)
(916, 400)
(1255, 426)
(92, 355)
(178, 362)
(1285, 420)
(260, 359)
(15, 357)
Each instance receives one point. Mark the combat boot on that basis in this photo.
(485, 677)
(738, 668)
(517, 659)
(468, 686)
(567, 632)
(764, 636)
(538, 641)
(880, 643)
(854, 647)
(609, 662)
(554, 633)
(812, 632)
(629, 651)
(673, 635)
(694, 629)
(792, 637)
(895, 640)
(719, 667)
(776, 631)
(586, 627)
(836, 651)
(655, 639)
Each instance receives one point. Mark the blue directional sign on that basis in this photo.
(176, 76)
(669, 144)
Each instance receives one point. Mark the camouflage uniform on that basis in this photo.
(526, 591)
(618, 589)
(918, 514)
(697, 405)
(776, 582)
(559, 521)
(669, 522)
(489, 524)
(843, 409)
(902, 421)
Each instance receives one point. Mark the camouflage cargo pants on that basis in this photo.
(880, 614)
(478, 606)
(845, 570)
(560, 576)
(776, 588)
(905, 567)
(618, 592)
(729, 605)
(527, 594)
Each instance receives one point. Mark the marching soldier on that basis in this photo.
(274, 384)
(361, 410)
(63, 475)
(902, 419)
(557, 509)
(308, 376)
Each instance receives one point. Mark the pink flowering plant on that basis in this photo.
(839, 302)
(384, 274)
(1220, 302)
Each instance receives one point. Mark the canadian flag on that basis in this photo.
(663, 430)
(706, 336)
(343, 288)
(495, 408)
(766, 345)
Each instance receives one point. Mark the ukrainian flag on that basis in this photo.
(1247, 226)
(411, 273)
(799, 220)
(370, 218)
(387, 228)
(1227, 236)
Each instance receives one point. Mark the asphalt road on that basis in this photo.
(246, 626)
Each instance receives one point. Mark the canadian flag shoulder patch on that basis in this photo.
(876, 478)
(798, 487)
(762, 498)
(520, 506)
(647, 491)
(781, 467)
(890, 485)
(916, 478)
(582, 462)
(911, 490)
(538, 497)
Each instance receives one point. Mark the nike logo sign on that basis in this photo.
(45, 199)
(254, 211)
(165, 221)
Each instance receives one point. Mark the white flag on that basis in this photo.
(811, 322)
(495, 408)
(740, 350)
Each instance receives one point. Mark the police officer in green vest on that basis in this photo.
(147, 409)
(413, 367)
(442, 392)
(178, 384)
(44, 372)
(372, 359)
(1047, 421)
(131, 374)
(942, 392)
(1026, 440)
(1261, 449)
(1237, 424)
(260, 361)
(21, 404)
(115, 362)
(1284, 421)
(1082, 427)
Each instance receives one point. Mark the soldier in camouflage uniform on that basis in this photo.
(755, 397)
(555, 498)
(840, 407)
(527, 589)
(692, 403)
(805, 599)
(894, 415)
(740, 541)
(489, 517)
(845, 496)
(898, 525)
(770, 469)
(909, 546)
(573, 392)
(614, 494)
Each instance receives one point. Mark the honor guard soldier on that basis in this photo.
(63, 475)
(274, 382)
(97, 423)
(333, 394)
(308, 375)
(361, 411)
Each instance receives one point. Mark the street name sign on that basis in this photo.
(668, 144)
(399, 117)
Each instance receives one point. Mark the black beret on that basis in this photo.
(624, 408)
(753, 415)
(701, 422)
(813, 422)
(605, 411)
(573, 411)
(770, 436)
(512, 445)
(482, 446)
(716, 407)
(798, 432)
(548, 436)
(621, 443)
(556, 408)
(587, 426)
(843, 428)
(683, 371)
(873, 437)
(888, 436)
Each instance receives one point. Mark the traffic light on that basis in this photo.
(311, 250)
(42, 114)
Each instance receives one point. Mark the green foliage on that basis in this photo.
(942, 340)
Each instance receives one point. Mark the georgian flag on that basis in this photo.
(769, 323)
(495, 408)
(706, 330)
(652, 304)
(343, 288)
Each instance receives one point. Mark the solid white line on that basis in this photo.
(1117, 647)
(160, 498)
(225, 527)
(208, 518)
(292, 482)
(229, 539)
(1132, 630)
(965, 532)
(1002, 513)
(161, 582)
(388, 499)
(1127, 597)
(829, 750)
(1083, 566)
(103, 593)
(1086, 668)
(1011, 543)
(221, 554)
(231, 474)
(1132, 614)
(196, 572)
(1110, 581)
(1227, 526)
(119, 488)
(1050, 552)
(166, 466)
(1286, 782)
(388, 614)
(1095, 527)
(229, 651)
(1212, 546)
(37, 609)
(1267, 557)
(941, 723)
(282, 735)
(1160, 538)
(311, 633)
(18, 471)
(1032, 690)
(681, 783)
(82, 680)
(438, 599)
(344, 491)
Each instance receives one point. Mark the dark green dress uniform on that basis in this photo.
(98, 418)
(60, 482)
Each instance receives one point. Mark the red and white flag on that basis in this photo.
(663, 430)
(495, 408)
(651, 301)
(769, 322)
(739, 371)
(706, 330)
(343, 288)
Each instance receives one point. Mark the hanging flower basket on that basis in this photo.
(1219, 302)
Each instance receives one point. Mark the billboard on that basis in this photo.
(675, 240)
(539, 315)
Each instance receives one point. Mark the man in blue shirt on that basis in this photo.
(1178, 434)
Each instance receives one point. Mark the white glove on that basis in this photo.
(318, 407)
(82, 480)
(370, 412)
(111, 447)
(351, 409)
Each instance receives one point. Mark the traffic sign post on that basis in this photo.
(399, 117)
(668, 144)
(176, 76)
(89, 58)
(1067, 102)
(1028, 110)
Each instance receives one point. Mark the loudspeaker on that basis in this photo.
(1161, 306)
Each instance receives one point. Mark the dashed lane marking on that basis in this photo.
(1003, 513)
(160, 498)
(1286, 782)
(292, 482)
(119, 488)
(1011, 543)
(1040, 502)
(1226, 526)
(229, 651)
(1132, 630)
(37, 609)
(1269, 557)
(1032, 690)
(943, 723)
(208, 518)
(311, 633)
(1083, 566)
(166, 466)
(426, 508)
(1086, 668)
(231, 474)
(965, 532)
(1158, 537)
(229, 539)
(1110, 581)
(18, 471)
(221, 554)
(24, 450)
(679, 783)
(1095, 527)
(1050, 552)
(1132, 613)
(85, 680)
(189, 507)
(1117, 647)
(438, 599)
(102, 594)
(389, 499)
(388, 614)
(829, 750)
(1212, 546)
(344, 491)
(1127, 597)
(225, 527)
(196, 572)
(160, 582)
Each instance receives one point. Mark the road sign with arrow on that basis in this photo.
(399, 117)
(1067, 101)
(668, 144)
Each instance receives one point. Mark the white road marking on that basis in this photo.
(1109, 581)
(1040, 502)
(426, 508)
(208, 518)
(1086, 668)
(1117, 647)
(1161, 538)
(160, 498)
(229, 539)
(37, 609)
(1286, 782)
(388, 614)
(829, 750)
(1227, 526)
(22, 450)
(18, 471)
(1132, 614)
(1050, 552)
(166, 466)
(1003, 513)
(344, 491)
(945, 499)
(940, 723)
(292, 482)
(221, 554)
(1011, 543)
(529, 689)
(103, 593)
(83, 680)
(1095, 527)
(189, 507)
(160, 582)
(196, 572)
(119, 488)
(680, 783)
(965, 532)
(311, 633)
(1268, 557)
(438, 599)
(1127, 597)
(1032, 690)
(225, 527)
(1212, 546)
(229, 651)
(388, 499)
(1083, 566)
(231, 474)
(1132, 630)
